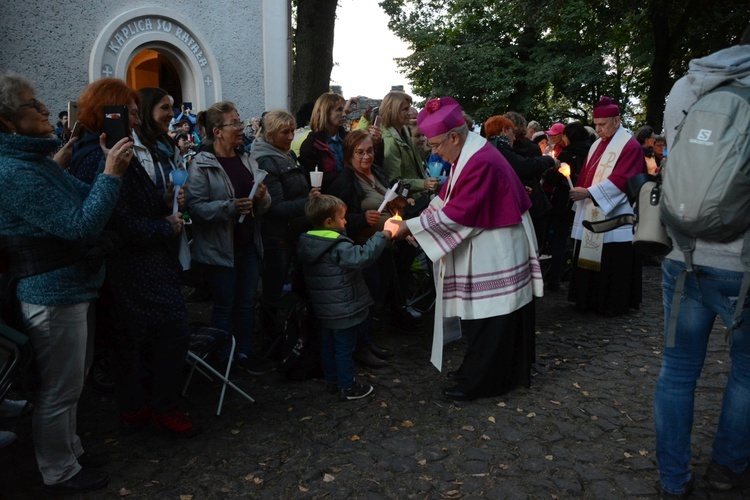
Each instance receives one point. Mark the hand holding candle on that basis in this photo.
(565, 170)
(390, 195)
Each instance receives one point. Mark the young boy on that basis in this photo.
(340, 298)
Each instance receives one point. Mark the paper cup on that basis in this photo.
(316, 179)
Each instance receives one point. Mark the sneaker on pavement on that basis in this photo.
(356, 391)
(176, 424)
(85, 480)
(665, 495)
(722, 478)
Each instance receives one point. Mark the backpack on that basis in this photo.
(706, 187)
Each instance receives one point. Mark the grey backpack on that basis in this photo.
(706, 188)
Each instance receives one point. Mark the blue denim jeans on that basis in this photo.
(709, 292)
(234, 290)
(336, 352)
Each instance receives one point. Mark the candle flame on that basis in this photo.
(564, 169)
(396, 217)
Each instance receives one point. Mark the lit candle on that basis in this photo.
(565, 170)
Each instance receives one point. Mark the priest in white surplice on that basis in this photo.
(480, 237)
(606, 270)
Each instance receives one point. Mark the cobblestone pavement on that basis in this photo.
(584, 429)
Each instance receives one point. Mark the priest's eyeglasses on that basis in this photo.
(435, 147)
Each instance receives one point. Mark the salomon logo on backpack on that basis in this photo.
(706, 189)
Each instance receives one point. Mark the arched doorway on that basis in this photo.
(152, 46)
(151, 68)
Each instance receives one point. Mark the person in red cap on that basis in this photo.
(555, 136)
(479, 234)
(606, 271)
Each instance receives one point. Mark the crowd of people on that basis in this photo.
(306, 205)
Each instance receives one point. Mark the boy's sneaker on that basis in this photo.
(356, 391)
(723, 478)
(176, 424)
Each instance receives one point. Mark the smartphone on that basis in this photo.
(77, 130)
(187, 106)
(116, 124)
(72, 113)
(377, 121)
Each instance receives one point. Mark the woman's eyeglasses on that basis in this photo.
(238, 125)
(37, 105)
(362, 154)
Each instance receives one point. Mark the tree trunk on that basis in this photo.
(667, 31)
(313, 44)
(660, 81)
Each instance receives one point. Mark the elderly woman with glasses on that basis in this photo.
(151, 329)
(226, 229)
(47, 220)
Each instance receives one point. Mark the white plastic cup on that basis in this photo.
(316, 179)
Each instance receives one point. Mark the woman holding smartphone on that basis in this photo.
(143, 276)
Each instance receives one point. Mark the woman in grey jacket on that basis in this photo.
(289, 189)
(219, 182)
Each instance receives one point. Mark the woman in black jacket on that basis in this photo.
(289, 187)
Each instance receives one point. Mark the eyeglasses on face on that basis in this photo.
(361, 153)
(37, 105)
(237, 125)
(434, 147)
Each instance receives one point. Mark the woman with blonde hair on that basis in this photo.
(401, 158)
(226, 233)
(324, 146)
(289, 189)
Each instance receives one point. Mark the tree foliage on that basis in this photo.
(551, 60)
